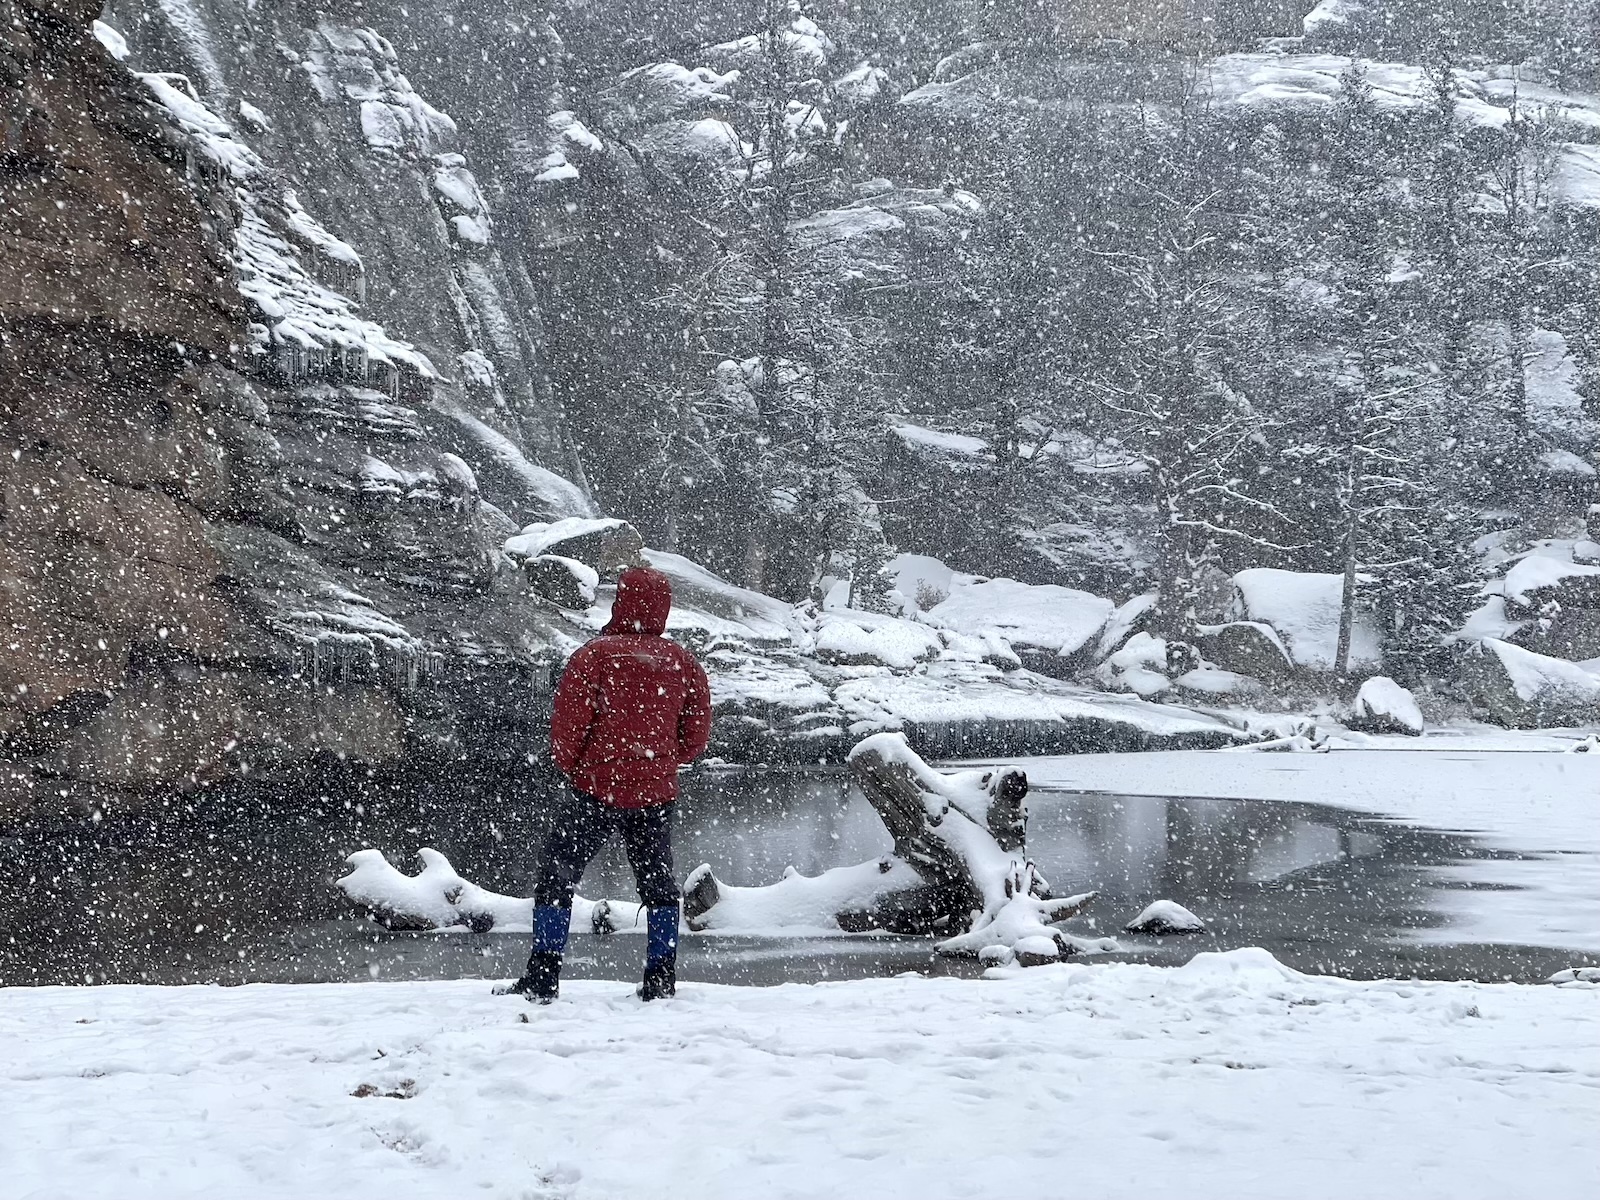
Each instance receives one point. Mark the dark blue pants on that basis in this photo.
(581, 827)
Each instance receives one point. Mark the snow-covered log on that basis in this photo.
(950, 828)
(959, 864)
(438, 898)
(959, 868)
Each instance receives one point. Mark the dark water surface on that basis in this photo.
(243, 893)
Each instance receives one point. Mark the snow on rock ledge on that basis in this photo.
(304, 327)
(604, 544)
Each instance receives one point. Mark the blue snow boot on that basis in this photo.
(661, 955)
(540, 983)
(542, 980)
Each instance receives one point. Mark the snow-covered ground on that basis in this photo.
(1515, 792)
(1230, 1077)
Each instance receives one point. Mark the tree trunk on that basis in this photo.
(1174, 614)
(755, 556)
(1347, 596)
(913, 809)
(965, 837)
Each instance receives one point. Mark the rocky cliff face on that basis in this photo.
(242, 524)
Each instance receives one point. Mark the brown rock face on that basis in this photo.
(111, 288)
(208, 571)
(204, 728)
(122, 430)
(97, 229)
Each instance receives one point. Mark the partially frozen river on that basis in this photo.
(243, 893)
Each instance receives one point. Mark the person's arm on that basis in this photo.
(694, 723)
(575, 708)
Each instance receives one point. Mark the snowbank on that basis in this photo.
(1232, 1072)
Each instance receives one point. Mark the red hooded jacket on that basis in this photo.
(631, 707)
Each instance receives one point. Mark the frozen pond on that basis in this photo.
(243, 894)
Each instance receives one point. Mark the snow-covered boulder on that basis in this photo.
(1541, 580)
(1130, 618)
(1057, 621)
(1139, 667)
(1329, 16)
(705, 601)
(1165, 917)
(1302, 608)
(565, 582)
(1524, 690)
(604, 544)
(1383, 706)
(854, 638)
(1246, 648)
(1562, 632)
(1208, 682)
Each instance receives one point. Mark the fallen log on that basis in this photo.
(438, 898)
(959, 870)
(959, 866)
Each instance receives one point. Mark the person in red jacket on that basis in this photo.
(631, 708)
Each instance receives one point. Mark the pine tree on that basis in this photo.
(1364, 201)
(1401, 308)
(790, 170)
(1518, 185)
(1164, 279)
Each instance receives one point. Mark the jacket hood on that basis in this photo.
(644, 598)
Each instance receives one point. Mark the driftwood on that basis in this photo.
(959, 870)
(438, 898)
(914, 804)
(959, 867)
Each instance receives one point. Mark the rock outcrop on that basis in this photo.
(241, 524)
(1524, 690)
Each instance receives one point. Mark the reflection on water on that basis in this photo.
(238, 895)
